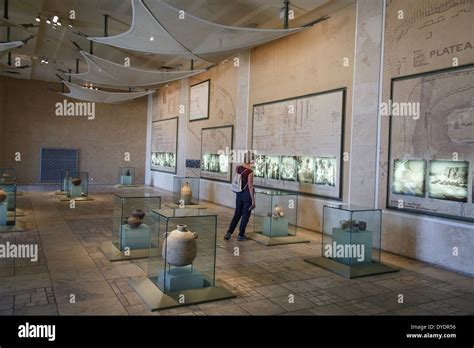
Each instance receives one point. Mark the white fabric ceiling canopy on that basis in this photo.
(104, 72)
(97, 96)
(157, 28)
(10, 45)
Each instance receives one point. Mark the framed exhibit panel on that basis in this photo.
(164, 145)
(431, 150)
(200, 97)
(216, 146)
(299, 144)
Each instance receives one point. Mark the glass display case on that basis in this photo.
(351, 240)
(275, 217)
(126, 176)
(183, 273)
(133, 222)
(78, 185)
(8, 193)
(185, 191)
(7, 175)
(64, 181)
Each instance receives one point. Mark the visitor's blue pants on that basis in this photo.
(243, 203)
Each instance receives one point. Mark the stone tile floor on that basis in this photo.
(73, 277)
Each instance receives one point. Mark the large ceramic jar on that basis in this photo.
(3, 196)
(180, 246)
(186, 193)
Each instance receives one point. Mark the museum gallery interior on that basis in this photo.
(131, 131)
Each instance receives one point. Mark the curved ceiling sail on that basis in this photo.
(157, 28)
(145, 35)
(10, 45)
(97, 96)
(104, 72)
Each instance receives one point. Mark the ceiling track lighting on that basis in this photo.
(55, 21)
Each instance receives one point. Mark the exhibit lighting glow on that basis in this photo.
(55, 19)
(152, 38)
(48, 20)
(59, 23)
(70, 24)
(38, 19)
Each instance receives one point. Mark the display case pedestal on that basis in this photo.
(125, 180)
(3, 213)
(135, 238)
(156, 300)
(76, 192)
(182, 278)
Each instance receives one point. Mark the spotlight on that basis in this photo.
(54, 26)
(48, 20)
(59, 24)
(70, 24)
(55, 19)
(152, 38)
(38, 19)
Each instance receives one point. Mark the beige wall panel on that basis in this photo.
(31, 123)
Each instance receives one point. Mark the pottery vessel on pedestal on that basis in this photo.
(134, 222)
(278, 211)
(186, 193)
(3, 196)
(76, 181)
(180, 246)
(139, 214)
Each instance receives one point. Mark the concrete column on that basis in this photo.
(182, 128)
(149, 120)
(243, 121)
(2, 117)
(363, 185)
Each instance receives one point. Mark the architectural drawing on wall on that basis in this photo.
(273, 167)
(169, 97)
(425, 23)
(260, 169)
(164, 145)
(163, 159)
(289, 168)
(302, 128)
(409, 177)
(306, 169)
(199, 101)
(325, 171)
(448, 180)
(442, 130)
(216, 144)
